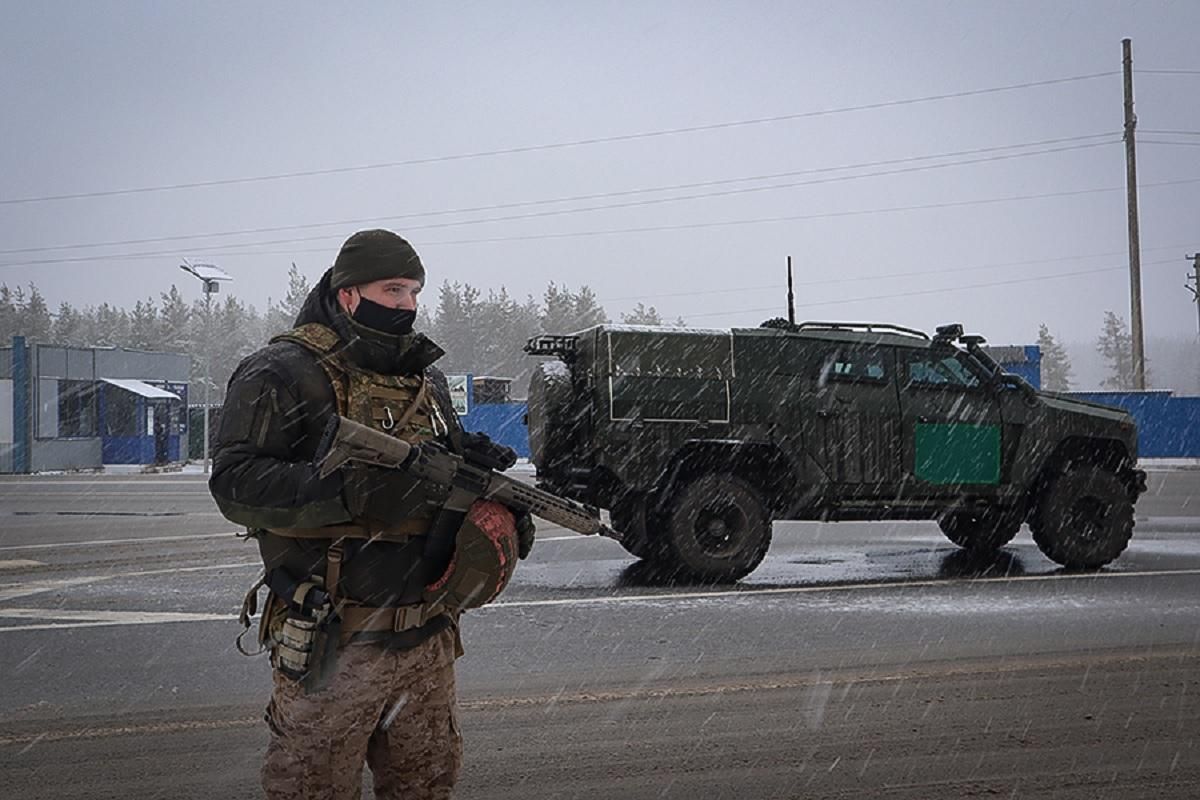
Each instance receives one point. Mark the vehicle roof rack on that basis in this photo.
(869, 327)
(551, 345)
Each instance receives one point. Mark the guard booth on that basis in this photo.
(143, 423)
(70, 408)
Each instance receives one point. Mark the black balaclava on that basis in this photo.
(393, 321)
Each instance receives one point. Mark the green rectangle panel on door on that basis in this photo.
(957, 453)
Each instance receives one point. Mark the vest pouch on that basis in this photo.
(294, 647)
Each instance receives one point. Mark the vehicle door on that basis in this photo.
(856, 428)
(952, 425)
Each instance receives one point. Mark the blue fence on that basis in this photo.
(1168, 426)
(503, 422)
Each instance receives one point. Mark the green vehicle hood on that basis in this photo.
(1071, 405)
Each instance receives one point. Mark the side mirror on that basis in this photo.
(1030, 394)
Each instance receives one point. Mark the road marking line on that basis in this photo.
(1033, 662)
(14, 591)
(99, 542)
(20, 563)
(113, 617)
(845, 587)
(231, 535)
(97, 618)
(49, 482)
(17, 590)
(133, 730)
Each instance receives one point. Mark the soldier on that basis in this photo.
(363, 652)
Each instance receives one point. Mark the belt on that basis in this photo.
(364, 619)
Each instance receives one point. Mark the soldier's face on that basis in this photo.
(391, 293)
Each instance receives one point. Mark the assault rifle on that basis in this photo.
(346, 440)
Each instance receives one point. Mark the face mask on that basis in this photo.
(394, 321)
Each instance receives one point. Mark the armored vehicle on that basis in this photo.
(696, 440)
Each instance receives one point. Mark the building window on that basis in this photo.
(76, 408)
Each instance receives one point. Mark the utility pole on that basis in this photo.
(1135, 248)
(791, 296)
(209, 276)
(209, 288)
(1194, 285)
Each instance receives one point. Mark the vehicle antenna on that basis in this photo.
(791, 296)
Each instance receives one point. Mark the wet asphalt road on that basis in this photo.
(860, 660)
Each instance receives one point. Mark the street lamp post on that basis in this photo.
(210, 277)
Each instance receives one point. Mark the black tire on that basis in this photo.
(717, 529)
(640, 529)
(1084, 519)
(982, 531)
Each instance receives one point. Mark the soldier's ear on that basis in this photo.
(348, 298)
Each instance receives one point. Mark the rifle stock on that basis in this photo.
(346, 440)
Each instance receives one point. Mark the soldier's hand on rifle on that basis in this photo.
(480, 450)
(525, 532)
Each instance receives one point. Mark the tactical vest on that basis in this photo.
(399, 405)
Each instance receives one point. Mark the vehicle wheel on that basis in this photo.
(980, 531)
(718, 529)
(631, 518)
(1084, 519)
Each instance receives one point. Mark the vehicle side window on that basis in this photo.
(945, 371)
(854, 365)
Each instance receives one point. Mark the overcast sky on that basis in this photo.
(97, 97)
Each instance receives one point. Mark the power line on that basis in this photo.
(880, 277)
(1161, 141)
(920, 292)
(624, 193)
(1168, 71)
(801, 217)
(215, 249)
(1173, 133)
(559, 145)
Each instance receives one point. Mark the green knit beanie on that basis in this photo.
(375, 255)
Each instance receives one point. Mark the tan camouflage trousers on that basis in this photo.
(391, 709)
